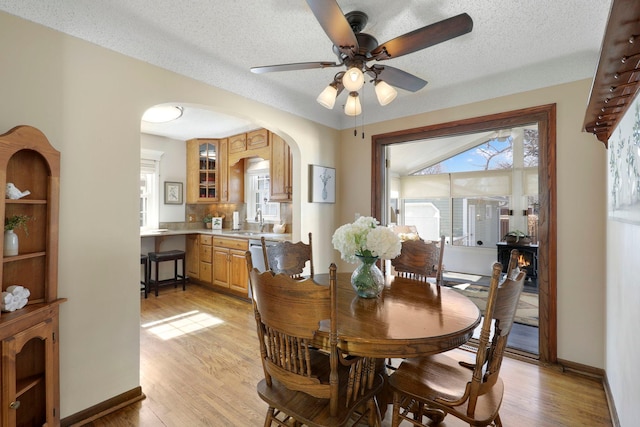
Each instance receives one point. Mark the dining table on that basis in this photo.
(409, 318)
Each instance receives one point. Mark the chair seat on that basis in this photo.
(166, 255)
(441, 377)
(311, 410)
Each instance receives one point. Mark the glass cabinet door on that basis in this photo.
(208, 179)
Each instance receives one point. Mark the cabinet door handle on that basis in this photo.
(14, 405)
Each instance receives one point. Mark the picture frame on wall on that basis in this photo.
(172, 193)
(322, 184)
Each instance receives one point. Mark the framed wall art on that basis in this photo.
(172, 193)
(322, 183)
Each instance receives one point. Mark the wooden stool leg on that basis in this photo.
(175, 273)
(157, 281)
(184, 276)
(146, 278)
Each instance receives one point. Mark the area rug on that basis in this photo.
(526, 314)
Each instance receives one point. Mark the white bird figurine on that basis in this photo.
(14, 193)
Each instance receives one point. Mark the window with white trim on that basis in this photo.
(149, 189)
(258, 192)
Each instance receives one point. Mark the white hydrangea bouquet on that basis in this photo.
(364, 238)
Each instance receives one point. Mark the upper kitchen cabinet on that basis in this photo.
(231, 176)
(257, 139)
(202, 170)
(238, 143)
(280, 169)
(209, 177)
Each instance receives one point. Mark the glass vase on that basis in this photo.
(367, 279)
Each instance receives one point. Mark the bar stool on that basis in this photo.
(144, 260)
(159, 257)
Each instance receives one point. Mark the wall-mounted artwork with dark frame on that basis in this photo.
(172, 193)
(322, 184)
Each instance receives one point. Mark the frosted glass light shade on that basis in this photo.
(327, 97)
(162, 114)
(353, 107)
(353, 79)
(385, 92)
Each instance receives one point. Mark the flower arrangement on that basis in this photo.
(364, 238)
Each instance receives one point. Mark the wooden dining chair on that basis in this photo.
(305, 385)
(440, 385)
(288, 258)
(513, 269)
(420, 260)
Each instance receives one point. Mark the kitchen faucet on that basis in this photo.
(259, 219)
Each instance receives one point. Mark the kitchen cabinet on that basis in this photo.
(237, 143)
(202, 170)
(257, 139)
(249, 141)
(206, 259)
(29, 367)
(280, 169)
(230, 266)
(209, 177)
(192, 255)
(231, 176)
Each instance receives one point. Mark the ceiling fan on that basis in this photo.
(355, 49)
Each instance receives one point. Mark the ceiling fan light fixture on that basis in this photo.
(385, 92)
(162, 113)
(353, 107)
(327, 97)
(353, 79)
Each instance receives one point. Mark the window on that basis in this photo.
(258, 192)
(149, 188)
(472, 194)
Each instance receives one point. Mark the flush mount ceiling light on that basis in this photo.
(355, 49)
(162, 114)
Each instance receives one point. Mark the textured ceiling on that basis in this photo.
(515, 45)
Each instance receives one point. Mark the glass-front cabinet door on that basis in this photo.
(208, 180)
(203, 179)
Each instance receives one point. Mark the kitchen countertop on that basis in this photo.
(240, 234)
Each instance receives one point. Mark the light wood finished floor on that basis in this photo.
(200, 364)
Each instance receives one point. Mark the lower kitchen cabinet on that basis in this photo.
(206, 260)
(230, 266)
(192, 256)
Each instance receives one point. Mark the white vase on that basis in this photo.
(10, 243)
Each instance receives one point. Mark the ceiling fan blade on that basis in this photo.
(295, 66)
(424, 37)
(398, 78)
(334, 23)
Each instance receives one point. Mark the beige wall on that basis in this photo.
(89, 101)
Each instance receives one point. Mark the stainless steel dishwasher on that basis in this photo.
(255, 247)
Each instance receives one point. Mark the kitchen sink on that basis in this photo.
(244, 233)
(256, 234)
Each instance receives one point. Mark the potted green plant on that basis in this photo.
(11, 238)
(16, 221)
(517, 237)
(207, 220)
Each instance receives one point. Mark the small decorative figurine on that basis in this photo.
(14, 193)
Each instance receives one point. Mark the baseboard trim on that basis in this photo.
(579, 368)
(613, 412)
(103, 408)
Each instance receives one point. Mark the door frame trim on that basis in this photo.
(545, 116)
